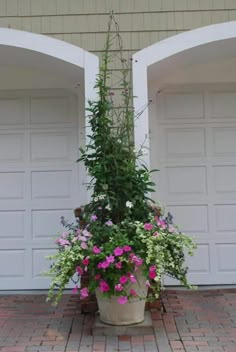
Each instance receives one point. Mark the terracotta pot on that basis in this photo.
(113, 313)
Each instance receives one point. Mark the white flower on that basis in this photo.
(101, 196)
(129, 204)
(108, 207)
(95, 199)
(143, 152)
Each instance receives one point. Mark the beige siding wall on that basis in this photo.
(142, 22)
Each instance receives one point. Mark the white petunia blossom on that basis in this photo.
(129, 204)
(108, 207)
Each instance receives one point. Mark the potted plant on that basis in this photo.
(121, 237)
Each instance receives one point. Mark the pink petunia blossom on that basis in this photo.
(127, 248)
(79, 270)
(84, 293)
(63, 242)
(152, 272)
(156, 234)
(82, 238)
(136, 260)
(75, 290)
(85, 261)
(118, 251)
(122, 300)
(118, 265)
(123, 280)
(133, 292)
(132, 278)
(109, 223)
(148, 226)
(118, 287)
(103, 286)
(84, 245)
(110, 259)
(96, 250)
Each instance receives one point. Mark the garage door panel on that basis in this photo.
(183, 106)
(12, 225)
(225, 215)
(51, 184)
(40, 263)
(199, 266)
(223, 105)
(12, 263)
(185, 142)
(225, 254)
(51, 110)
(193, 218)
(225, 179)
(182, 180)
(12, 147)
(12, 185)
(46, 223)
(12, 111)
(224, 141)
(51, 147)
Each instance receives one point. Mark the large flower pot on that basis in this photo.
(132, 312)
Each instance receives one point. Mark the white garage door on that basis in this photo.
(38, 181)
(195, 147)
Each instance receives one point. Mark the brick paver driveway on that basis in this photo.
(190, 321)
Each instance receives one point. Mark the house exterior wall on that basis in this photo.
(142, 22)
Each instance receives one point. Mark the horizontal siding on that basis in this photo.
(142, 22)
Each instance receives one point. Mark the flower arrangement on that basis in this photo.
(121, 231)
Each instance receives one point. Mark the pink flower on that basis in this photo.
(118, 251)
(63, 242)
(152, 272)
(136, 260)
(85, 261)
(97, 277)
(118, 287)
(103, 265)
(127, 248)
(123, 280)
(93, 217)
(118, 265)
(148, 226)
(75, 290)
(109, 223)
(110, 259)
(133, 292)
(84, 293)
(122, 300)
(79, 270)
(84, 245)
(156, 234)
(132, 278)
(96, 250)
(82, 238)
(103, 286)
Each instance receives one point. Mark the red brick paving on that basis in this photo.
(191, 322)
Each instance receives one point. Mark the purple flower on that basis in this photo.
(127, 248)
(84, 292)
(123, 280)
(96, 250)
(118, 287)
(148, 226)
(93, 217)
(110, 259)
(118, 251)
(109, 223)
(103, 286)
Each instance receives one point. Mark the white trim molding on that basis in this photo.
(154, 62)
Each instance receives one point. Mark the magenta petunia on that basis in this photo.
(127, 248)
(75, 290)
(152, 272)
(118, 251)
(110, 259)
(123, 279)
(85, 261)
(122, 300)
(148, 226)
(133, 292)
(96, 250)
(118, 265)
(79, 270)
(118, 287)
(84, 293)
(103, 286)
(132, 278)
